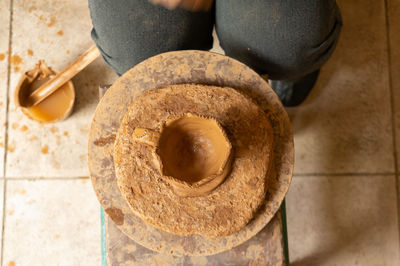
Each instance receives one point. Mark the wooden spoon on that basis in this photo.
(69, 72)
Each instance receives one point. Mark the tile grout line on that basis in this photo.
(3, 220)
(295, 175)
(343, 174)
(47, 178)
(392, 107)
(11, 2)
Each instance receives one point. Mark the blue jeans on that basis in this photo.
(284, 39)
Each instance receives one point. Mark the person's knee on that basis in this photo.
(282, 59)
(134, 30)
(120, 55)
(123, 54)
(282, 46)
(290, 61)
(287, 61)
(303, 56)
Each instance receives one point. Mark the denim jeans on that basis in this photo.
(286, 39)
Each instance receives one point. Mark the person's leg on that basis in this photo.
(130, 31)
(288, 40)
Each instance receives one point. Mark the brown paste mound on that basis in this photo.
(227, 208)
(192, 148)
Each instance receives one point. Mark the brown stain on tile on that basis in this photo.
(60, 32)
(1, 104)
(57, 236)
(30, 202)
(33, 138)
(58, 140)
(1, 144)
(22, 192)
(84, 130)
(14, 126)
(116, 215)
(45, 149)
(53, 129)
(77, 142)
(56, 164)
(52, 22)
(10, 212)
(16, 69)
(105, 140)
(11, 263)
(2, 56)
(30, 52)
(65, 133)
(11, 147)
(15, 59)
(24, 128)
(67, 51)
(32, 8)
(84, 181)
(82, 157)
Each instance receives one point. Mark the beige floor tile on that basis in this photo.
(345, 126)
(56, 31)
(1, 206)
(4, 33)
(394, 37)
(343, 221)
(216, 46)
(52, 222)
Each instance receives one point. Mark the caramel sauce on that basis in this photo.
(55, 106)
(45, 149)
(192, 148)
(15, 60)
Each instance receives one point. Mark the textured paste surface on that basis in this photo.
(182, 67)
(230, 206)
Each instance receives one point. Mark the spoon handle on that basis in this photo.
(58, 80)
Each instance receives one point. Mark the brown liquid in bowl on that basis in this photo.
(192, 148)
(56, 106)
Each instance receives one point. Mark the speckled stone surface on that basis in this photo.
(175, 68)
(265, 248)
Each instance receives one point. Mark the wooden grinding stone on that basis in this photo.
(230, 206)
(177, 68)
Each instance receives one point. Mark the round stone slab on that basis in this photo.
(176, 68)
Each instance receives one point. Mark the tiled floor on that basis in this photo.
(52, 222)
(63, 42)
(342, 206)
(4, 31)
(345, 124)
(51, 213)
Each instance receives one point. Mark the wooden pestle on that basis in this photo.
(58, 80)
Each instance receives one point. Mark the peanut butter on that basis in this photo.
(56, 106)
(192, 148)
